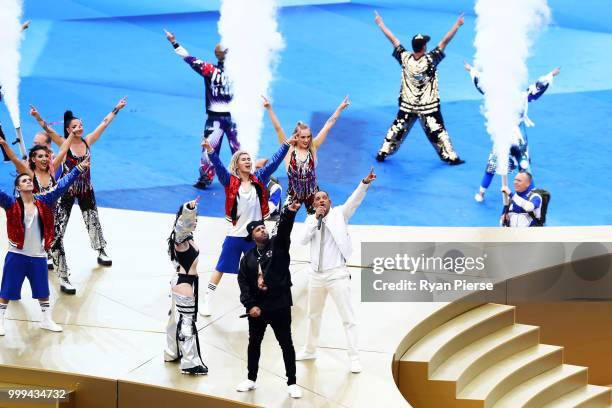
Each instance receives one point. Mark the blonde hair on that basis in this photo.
(233, 166)
(311, 147)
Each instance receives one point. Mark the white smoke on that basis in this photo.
(505, 31)
(249, 30)
(10, 40)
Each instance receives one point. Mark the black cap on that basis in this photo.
(418, 41)
(250, 227)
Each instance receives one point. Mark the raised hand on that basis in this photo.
(556, 71)
(378, 19)
(266, 102)
(460, 20)
(370, 177)
(345, 103)
(170, 36)
(506, 190)
(467, 66)
(34, 111)
(121, 104)
(25, 25)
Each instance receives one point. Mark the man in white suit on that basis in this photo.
(330, 247)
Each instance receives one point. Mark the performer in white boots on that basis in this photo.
(181, 331)
(29, 225)
(330, 247)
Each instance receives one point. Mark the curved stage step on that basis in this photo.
(589, 396)
(482, 359)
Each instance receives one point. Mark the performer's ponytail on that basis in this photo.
(68, 117)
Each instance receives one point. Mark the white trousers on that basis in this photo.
(340, 292)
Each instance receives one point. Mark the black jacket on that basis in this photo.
(274, 262)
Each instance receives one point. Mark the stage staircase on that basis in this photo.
(482, 358)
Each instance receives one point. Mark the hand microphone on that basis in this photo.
(243, 316)
(319, 222)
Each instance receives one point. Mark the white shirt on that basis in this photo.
(332, 256)
(248, 210)
(33, 243)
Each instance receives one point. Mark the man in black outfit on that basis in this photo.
(265, 292)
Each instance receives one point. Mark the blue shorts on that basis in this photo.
(17, 267)
(231, 251)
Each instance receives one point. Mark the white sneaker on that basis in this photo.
(294, 391)
(304, 355)
(356, 366)
(205, 309)
(48, 324)
(479, 197)
(246, 385)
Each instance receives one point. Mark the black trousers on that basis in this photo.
(280, 320)
(433, 126)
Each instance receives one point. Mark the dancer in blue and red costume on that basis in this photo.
(218, 97)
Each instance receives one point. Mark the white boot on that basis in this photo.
(47, 322)
(205, 306)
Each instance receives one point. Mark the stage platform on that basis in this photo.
(114, 325)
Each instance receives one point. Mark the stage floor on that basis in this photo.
(114, 325)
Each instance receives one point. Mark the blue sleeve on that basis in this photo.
(537, 201)
(63, 185)
(398, 52)
(6, 201)
(222, 173)
(265, 172)
(275, 194)
(536, 90)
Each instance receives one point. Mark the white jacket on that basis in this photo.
(336, 221)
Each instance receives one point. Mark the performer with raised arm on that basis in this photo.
(419, 97)
(302, 158)
(246, 200)
(265, 292)
(330, 247)
(181, 331)
(41, 163)
(218, 98)
(29, 224)
(518, 157)
(81, 191)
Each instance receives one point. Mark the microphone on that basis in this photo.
(243, 316)
(319, 222)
